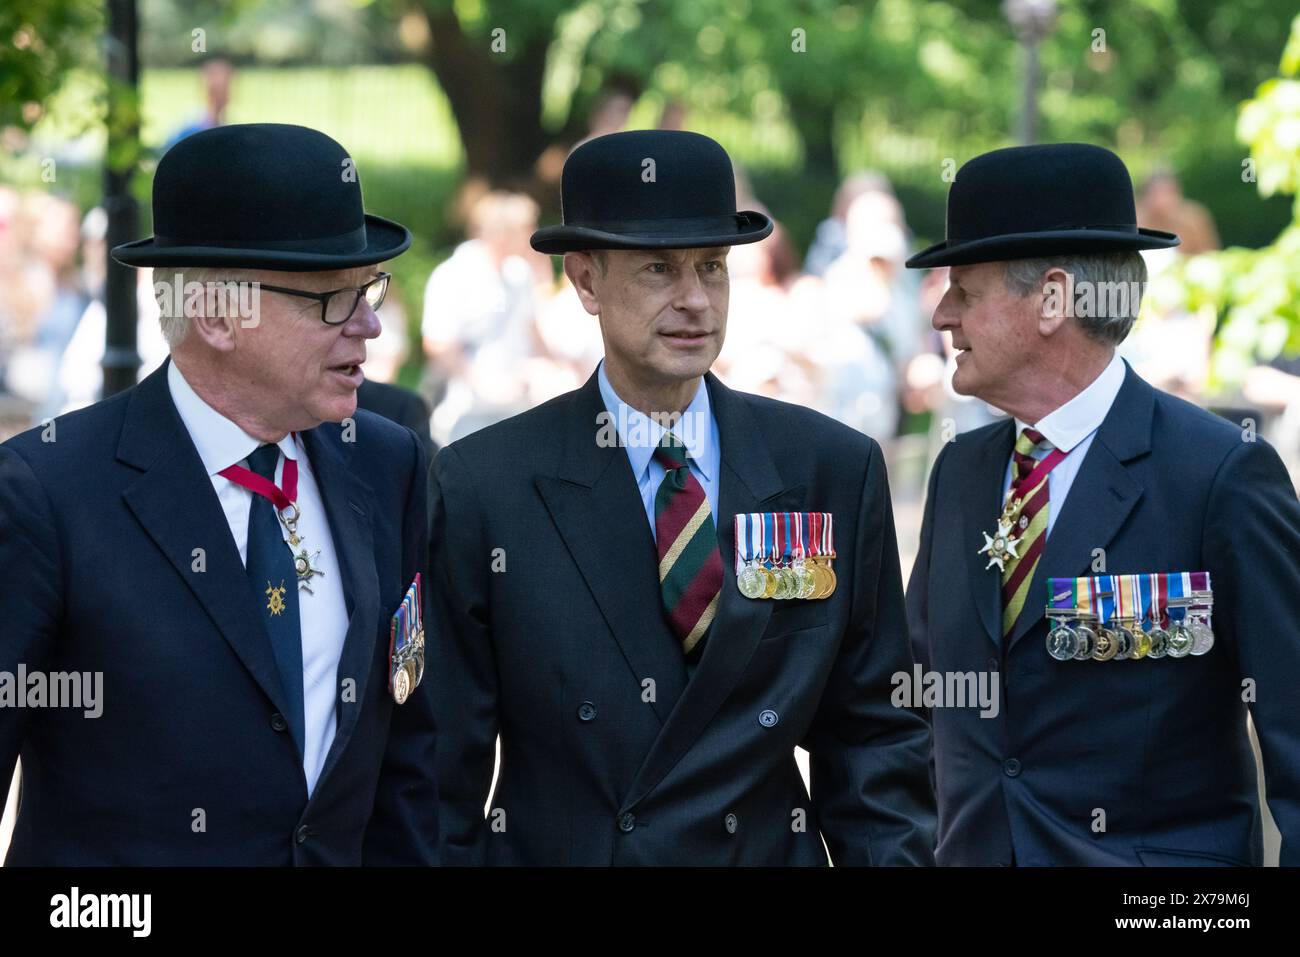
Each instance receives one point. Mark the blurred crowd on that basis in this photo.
(843, 327)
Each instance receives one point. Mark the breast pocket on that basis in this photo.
(794, 615)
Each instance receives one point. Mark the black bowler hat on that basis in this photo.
(261, 196)
(1029, 201)
(611, 198)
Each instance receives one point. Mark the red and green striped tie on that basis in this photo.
(690, 565)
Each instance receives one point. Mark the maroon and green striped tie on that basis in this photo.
(1032, 527)
(690, 565)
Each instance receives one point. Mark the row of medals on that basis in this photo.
(813, 578)
(1127, 641)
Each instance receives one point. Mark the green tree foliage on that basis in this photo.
(1256, 292)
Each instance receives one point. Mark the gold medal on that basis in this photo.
(769, 581)
(830, 574)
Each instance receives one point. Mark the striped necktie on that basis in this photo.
(1031, 526)
(690, 565)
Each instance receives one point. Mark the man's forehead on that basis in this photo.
(331, 279)
(678, 255)
(970, 272)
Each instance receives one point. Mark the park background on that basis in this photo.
(442, 103)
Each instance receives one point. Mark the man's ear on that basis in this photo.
(1055, 300)
(582, 271)
(217, 331)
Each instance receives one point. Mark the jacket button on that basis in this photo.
(993, 664)
(1011, 767)
(627, 823)
(301, 834)
(731, 822)
(767, 718)
(278, 723)
(586, 711)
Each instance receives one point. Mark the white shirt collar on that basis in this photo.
(695, 435)
(220, 442)
(1067, 426)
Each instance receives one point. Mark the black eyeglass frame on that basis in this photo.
(324, 297)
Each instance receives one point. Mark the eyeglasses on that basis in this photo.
(338, 305)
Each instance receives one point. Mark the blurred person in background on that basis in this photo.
(217, 76)
(871, 323)
(831, 239)
(1170, 347)
(767, 349)
(480, 308)
(1162, 205)
(55, 298)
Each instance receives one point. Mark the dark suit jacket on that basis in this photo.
(551, 630)
(97, 533)
(1160, 746)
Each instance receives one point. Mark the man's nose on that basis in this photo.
(942, 319)
(364, 322)
(691, 296)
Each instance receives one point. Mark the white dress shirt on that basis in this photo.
(323, 615)
(1071, 428)
(640, 434)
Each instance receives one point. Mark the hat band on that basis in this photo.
(353, 241)
(667, 225)
(1107, 227)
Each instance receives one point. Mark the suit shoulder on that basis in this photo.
(1178, 417)
(807, 427)
(381, 431)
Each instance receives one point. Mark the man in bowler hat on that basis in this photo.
(1119, 750)
(224, 546)
(584, 595)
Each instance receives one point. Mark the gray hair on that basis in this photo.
(175, 323)
(1107, 289)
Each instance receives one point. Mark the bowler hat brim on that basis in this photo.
(1033, 245)
(384, 239)
(744, 227)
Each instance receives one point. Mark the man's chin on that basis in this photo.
(337, 408)
(963, 383)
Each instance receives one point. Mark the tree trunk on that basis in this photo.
(496, 99)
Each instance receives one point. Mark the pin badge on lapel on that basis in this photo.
(406, 645)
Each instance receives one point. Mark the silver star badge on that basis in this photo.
(1000, 547)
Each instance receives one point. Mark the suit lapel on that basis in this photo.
(175, 503)
(981, 504)
(597, 510)
(350, 508)
(749, 482)
(1102, 496)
